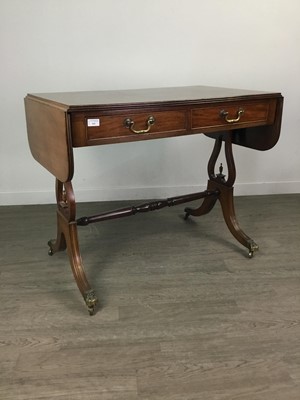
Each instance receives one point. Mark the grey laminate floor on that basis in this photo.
(185, 314)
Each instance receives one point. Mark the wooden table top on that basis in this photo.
(136, 97)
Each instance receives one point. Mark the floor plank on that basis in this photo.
(185, 314)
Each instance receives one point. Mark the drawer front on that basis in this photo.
(92, 128)
(233, 115)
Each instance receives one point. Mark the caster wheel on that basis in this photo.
(91, 301)
(50, 251)
(186, 216)
(91, 310)
(252, 248)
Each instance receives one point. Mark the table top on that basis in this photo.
(57, 122)
(136, 97)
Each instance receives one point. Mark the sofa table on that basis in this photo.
(58, 122)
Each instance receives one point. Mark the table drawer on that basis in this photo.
(233, 115)
(97, 128)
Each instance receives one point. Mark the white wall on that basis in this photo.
(71, 45)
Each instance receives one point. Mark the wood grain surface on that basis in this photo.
(185, 314)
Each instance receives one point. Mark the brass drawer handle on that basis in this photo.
(129, 123)
(224, 114)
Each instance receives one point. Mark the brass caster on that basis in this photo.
(50, 251)
(91, 301)
(252, 248)
(91, 310)
(187, 214)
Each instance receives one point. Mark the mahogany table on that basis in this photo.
(57, 122)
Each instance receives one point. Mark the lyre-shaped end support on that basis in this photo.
(223, 189)
(67, 238)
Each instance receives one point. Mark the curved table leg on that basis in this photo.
(227, 204)
(67, 238)
(206, 206)
(224, 189)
